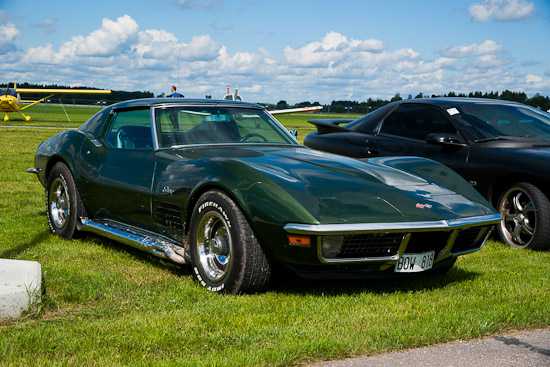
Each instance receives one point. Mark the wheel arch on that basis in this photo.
(195, 196)
(505, 181)
(58, 159)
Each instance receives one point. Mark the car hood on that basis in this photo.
(337, 189)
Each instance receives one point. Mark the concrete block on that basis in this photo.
(20, 286)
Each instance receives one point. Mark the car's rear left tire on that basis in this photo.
(64, 206)
(225, 252)
(525, 210)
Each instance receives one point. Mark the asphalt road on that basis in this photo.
(524, 349)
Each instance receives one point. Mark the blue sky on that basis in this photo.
(293, 50)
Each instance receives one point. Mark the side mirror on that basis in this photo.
(444, 139)
(294, 132)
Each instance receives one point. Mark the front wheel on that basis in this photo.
(64, 206)
(526, 217)
(225, 253)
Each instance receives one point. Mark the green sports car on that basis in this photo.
(223, 186)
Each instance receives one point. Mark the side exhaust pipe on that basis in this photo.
(146, 241)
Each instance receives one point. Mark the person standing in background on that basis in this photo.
(174, 93)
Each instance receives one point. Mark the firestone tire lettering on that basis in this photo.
(225, 253)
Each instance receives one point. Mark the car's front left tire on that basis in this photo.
(225, 252)
(64, 206)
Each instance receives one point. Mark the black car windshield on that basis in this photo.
(189, 125)
(489, 122)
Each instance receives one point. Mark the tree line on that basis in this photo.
(89, 99)
(342, 106)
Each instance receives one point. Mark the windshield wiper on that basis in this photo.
(491, 139)
(508, 137)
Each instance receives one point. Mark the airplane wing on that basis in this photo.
(294, 110)
(52, 91)
(63, 90)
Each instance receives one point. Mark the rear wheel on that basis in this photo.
(225, 253)
(64, 206)
(526, 217)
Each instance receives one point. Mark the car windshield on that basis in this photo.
(187, 125)
(489, 122)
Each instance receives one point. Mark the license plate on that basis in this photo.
(414, 263)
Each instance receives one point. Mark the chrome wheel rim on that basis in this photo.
(214, 246)
(59, 203)
(519, 217)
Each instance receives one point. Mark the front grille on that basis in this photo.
(370, 245)
(470, 239)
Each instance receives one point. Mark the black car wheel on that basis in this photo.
(526, 217)
(225, 253)
(64, 206)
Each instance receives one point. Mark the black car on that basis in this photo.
(502, 148)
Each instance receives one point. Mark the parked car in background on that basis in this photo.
(223, 186)
(502, 148)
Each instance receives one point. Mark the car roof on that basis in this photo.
(152, 102)
(453, 101)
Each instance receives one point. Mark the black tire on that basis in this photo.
(64, 205)
(526, 217)
(225, 253)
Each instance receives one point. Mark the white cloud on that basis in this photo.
(529, 78)
(333, 49)
(109, 39)
(197, 4)
(488, 61)
(488, 47)
(330, 68)
(501, 10)
(48, 25)
(8, 32)
(201, 48)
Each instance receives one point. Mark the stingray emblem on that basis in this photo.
(167, 190)
(422, 206)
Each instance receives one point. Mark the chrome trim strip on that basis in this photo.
(235, 144)
(357, 228)
(142, 240)
(96, 142)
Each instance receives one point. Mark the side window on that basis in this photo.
(94, 124)
(416, 122)
(130, 129)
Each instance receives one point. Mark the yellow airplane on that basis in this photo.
(10, 98)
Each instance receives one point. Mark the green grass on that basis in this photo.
(107, 304)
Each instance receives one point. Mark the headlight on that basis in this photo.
(331, 246)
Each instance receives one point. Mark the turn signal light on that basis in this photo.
(299, 240)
